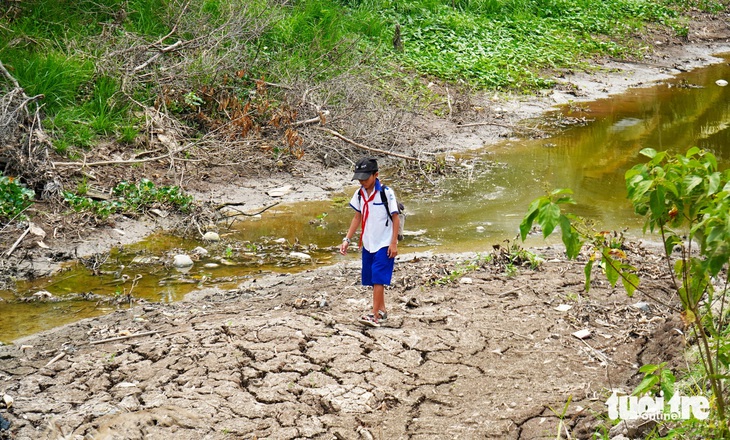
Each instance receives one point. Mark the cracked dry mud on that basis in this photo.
(485, 356)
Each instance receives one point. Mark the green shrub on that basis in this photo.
(131, 198)
(14, 198)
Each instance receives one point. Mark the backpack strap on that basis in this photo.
(384, 198)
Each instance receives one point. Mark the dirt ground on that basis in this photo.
(479, 353)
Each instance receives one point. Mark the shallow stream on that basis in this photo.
(470, 213)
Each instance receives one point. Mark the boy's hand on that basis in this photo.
(343, 247)
(392, 250)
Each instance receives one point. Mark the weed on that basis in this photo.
(687, 201)
(14, 198)
(131, 197)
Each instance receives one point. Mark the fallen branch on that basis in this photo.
(310, 121)
(119, 162)
(17, 242)
(120, 338)
(57, 357)
(162, 51)
(365, 147)
(223, 205)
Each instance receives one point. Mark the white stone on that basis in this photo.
(211, 236)
(721, 82)
(182, 261)
(200, 251)
(280, 192)
(300, 255)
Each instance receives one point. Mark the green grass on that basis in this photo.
(60, 49)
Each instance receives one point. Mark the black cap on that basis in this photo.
(364, 168)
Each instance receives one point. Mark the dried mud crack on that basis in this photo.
(282, 357)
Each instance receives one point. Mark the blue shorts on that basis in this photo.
(377, 268)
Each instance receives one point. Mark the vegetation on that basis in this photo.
(14, 198)
(131, 198)
(214, 73)
(686, 199)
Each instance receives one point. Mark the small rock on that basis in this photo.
(582, 334)
(300, 255)
(211, 236)
(8, 400)
(466, 280)
(280, 192)
(721, 82)
(182, 261)
(200, 251)
(480, 228)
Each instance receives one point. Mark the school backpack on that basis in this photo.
(401, 211)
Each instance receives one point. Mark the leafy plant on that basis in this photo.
(131, 198)
(686, 199)
(14, 198)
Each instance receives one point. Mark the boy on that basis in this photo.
(378, 235)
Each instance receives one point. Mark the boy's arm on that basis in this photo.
(393, 248)
(350, 232)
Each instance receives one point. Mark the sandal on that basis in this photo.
(382, 315)
(369, 320)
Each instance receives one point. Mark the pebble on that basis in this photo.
(181, 261)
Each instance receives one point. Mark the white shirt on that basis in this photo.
(378, 226)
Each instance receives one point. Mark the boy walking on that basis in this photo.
(378, 234)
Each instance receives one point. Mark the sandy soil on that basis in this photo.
(476, 353)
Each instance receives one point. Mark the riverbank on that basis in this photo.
(466, 353)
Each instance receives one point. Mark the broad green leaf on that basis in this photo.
(548, 218)
(649, 368)
(571, 239)
(646, 385)
(529, 219)
(690, 182)
(670, 242)
(630, 281)
(714, 183)
(637, 191)
(657, 202)
(667, 384)
(610, 270)
(648, 152)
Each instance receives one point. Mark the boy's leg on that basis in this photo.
(378, 299)
(382, 273)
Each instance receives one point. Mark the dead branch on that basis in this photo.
(120, 338)
(162, 51)
(365, 147)
(310, 121)
(121, 162)
(243, 213)
(8, 76)
(17, 242)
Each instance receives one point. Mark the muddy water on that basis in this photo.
(465, 214)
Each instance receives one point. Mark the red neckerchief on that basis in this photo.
(365, 210)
